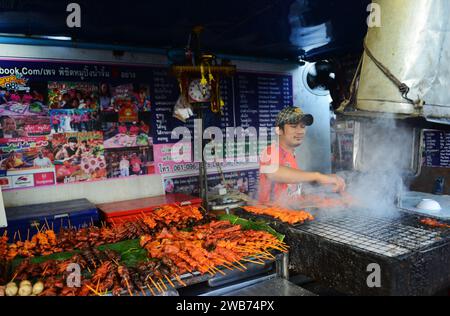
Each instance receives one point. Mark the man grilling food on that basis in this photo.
(280, 177)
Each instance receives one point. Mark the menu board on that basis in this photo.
(164, 93)
(259, 98)
(436, 149)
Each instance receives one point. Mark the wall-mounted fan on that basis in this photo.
(318, 77)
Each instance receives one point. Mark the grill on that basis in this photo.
(336, 250)
(385, 237)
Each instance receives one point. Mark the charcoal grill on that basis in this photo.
(336, 250)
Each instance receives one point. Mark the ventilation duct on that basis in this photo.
(406, 66)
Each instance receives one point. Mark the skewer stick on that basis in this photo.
(20, 237)
(42, 228)
(128, 287)
(282, 245)
(154, 284)
(14, 238)
(280, 249)
(262, 257)
(238, 262)
(179, 280)
(46, 223)
(226, 266)
(168, 280)
(95, 292)
(14, 276)
(269, 255)
(231, 264)
(148, 286)
(164, 285)
(252, 261)
(220, 271)
(115, 261)
(143, 292)
(45, 269)
(28, 234)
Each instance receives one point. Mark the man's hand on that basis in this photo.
(337, 182)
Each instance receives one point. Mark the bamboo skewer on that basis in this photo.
(46, 223)
(45, 269)
(20, 237)
(179, 280)
(154, 284)
(168, 280)
(149, 287)
(128, 287)
(238, 262)
(231, 264)
(94, 291)
(42, 228)
(255, 262)
(226, 266)
(218, 270)
(14, 276)
(164, 285)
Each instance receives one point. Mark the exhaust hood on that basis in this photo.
(405, 69)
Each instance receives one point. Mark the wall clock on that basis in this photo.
(199, 92)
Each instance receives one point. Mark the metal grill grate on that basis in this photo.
(386, 237)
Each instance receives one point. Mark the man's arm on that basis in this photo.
(289, 175)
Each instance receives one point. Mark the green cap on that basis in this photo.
(293, 115)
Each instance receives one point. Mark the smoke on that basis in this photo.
(383, 162)
(384, 154)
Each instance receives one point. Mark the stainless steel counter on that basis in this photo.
(273, 287)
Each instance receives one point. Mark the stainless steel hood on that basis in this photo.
(413, 43)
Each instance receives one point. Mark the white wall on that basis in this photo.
(315, 153)
(96, 192)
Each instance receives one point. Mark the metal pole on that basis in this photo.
(203, 177)
(282, 266)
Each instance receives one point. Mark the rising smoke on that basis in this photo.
(384, 161)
